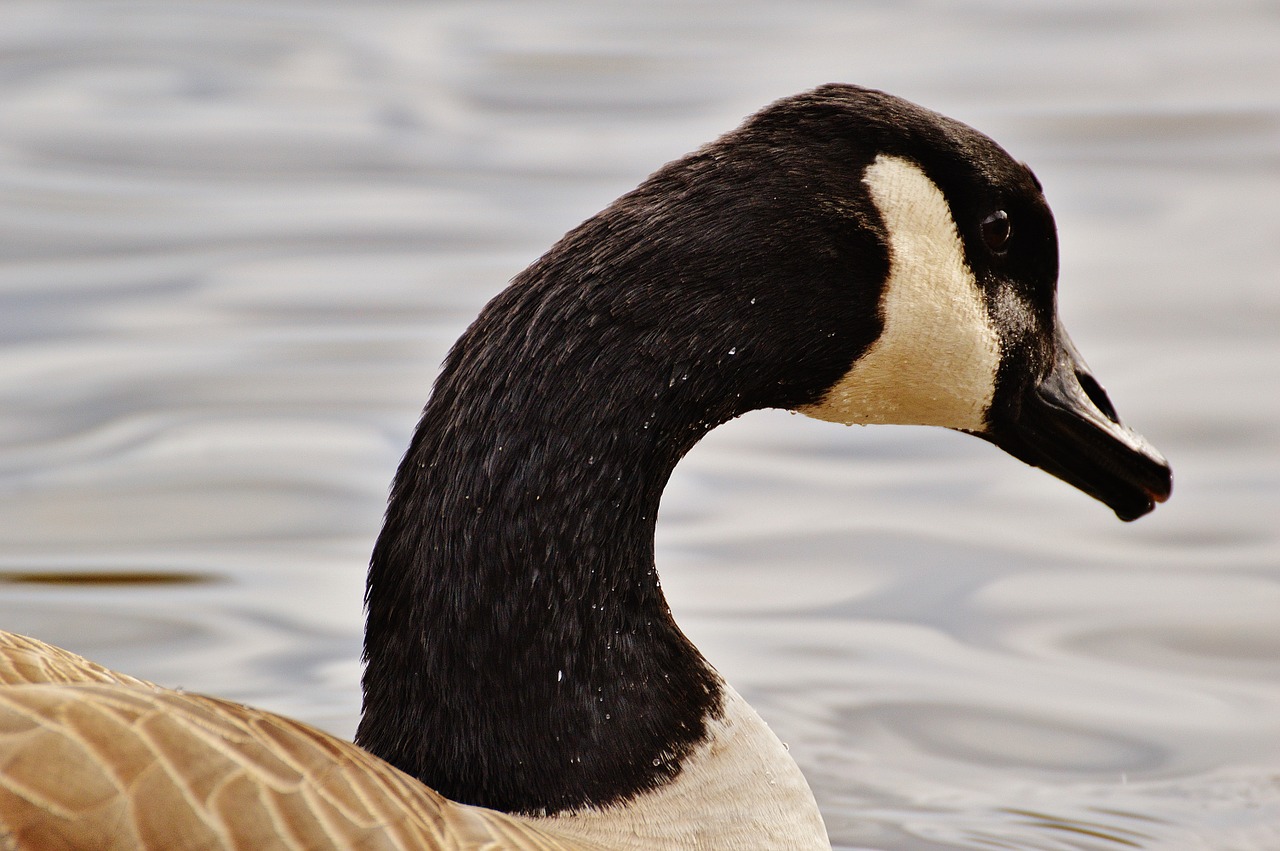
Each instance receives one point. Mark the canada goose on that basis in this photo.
(844, 254)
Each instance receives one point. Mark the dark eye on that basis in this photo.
(996, 230)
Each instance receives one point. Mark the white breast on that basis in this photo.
(739, 791)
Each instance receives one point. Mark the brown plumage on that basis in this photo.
(94, 759)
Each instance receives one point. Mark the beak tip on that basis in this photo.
(1153, 494)
(1163, 488)
(1130, 513)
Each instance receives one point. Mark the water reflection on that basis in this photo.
(124, 578)
(995, 737)
(238, 240)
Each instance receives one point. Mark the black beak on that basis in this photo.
(1066, 426)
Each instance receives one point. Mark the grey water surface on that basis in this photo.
(236, 240)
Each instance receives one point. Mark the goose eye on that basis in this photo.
(996, 230)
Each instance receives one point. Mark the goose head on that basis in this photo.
(967, 329)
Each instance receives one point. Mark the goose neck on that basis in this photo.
(520, 653)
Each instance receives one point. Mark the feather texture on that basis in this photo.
(94, 759)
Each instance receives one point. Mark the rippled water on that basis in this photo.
(236, 239)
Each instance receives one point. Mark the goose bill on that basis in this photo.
(1066, 426)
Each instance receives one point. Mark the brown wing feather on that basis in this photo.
(91, 759)
(28, 660)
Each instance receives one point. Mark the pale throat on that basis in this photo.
(739, 791)
(936, 360)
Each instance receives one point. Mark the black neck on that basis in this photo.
(520, 651)
(520, 654)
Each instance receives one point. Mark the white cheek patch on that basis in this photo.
(936, 360)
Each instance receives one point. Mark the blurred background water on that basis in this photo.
(236, 240)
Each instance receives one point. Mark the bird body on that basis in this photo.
(844, 254)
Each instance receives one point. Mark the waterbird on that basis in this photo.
(844, 254)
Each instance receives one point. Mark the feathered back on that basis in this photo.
(94, 759)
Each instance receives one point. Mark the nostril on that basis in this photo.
(1097, 395)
